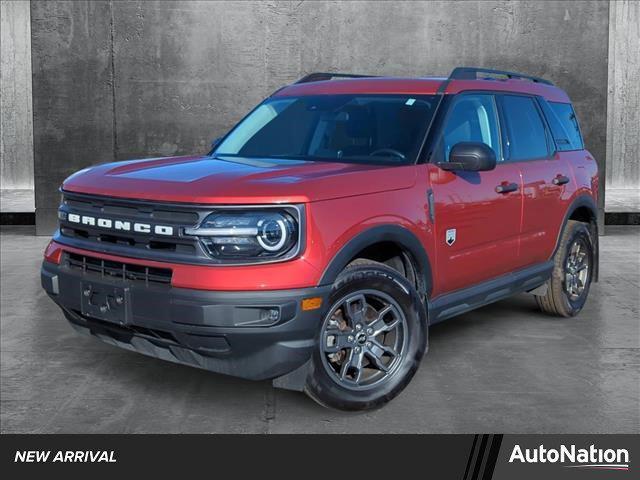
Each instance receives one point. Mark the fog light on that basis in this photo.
(271, 315)
(312, 303)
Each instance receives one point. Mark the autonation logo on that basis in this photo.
(589, 458)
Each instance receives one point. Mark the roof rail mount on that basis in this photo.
(471, 73)
(321, 76)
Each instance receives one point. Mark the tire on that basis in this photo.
(561, 299)
(371, 340)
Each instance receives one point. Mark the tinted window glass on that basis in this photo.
(560, 135)
(526, 134)
(345, 128)
(472, 118)
(567, 117)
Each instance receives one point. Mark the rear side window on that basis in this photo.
(567, 117)
(526, 134)
(560, 135)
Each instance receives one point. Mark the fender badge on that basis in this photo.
(450, 237)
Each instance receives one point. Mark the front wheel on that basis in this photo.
(371, 340)
(568, 288)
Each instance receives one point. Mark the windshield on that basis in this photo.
(386, 129)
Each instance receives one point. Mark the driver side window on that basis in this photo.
(472, 118)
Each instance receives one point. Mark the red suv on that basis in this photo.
(320, 237)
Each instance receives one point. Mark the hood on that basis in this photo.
(227, 180)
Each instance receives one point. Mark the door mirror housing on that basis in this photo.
(470, 157)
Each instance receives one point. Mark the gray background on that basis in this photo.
(118, 80)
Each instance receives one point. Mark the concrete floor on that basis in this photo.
(503, 368)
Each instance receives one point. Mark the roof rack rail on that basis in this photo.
(321, 76)
(471, 73)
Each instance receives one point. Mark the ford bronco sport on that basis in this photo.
(318, 239)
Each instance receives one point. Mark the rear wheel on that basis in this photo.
(568, 288)
(371, 340)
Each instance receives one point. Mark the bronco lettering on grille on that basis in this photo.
(121, 225)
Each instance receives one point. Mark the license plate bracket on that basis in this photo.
(106, 302)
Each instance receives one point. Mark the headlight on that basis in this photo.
(245, 236)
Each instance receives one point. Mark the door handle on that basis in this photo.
(560, 180)
(505, 187)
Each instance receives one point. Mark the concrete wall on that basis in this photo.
(16, 138)
(623, 142)
(124, 80)
(72, 96)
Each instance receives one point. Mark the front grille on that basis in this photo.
(176, 247)
(120, 270)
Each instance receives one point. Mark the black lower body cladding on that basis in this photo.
(255, 335)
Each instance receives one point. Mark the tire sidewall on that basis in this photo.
(322, 388)
(579, 231)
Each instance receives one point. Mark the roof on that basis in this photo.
(420, 86)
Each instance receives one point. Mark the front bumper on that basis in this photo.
(212, 330)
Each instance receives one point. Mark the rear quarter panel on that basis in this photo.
(585, 172)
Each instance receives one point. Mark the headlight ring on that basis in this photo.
(272, 234)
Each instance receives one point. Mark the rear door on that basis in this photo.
(477, 214)
(546, 175)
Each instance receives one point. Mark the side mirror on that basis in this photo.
(470, 157)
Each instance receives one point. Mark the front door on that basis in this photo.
(477, 214)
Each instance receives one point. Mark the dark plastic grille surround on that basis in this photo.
(118, 270)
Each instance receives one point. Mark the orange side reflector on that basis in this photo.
(312, 303)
